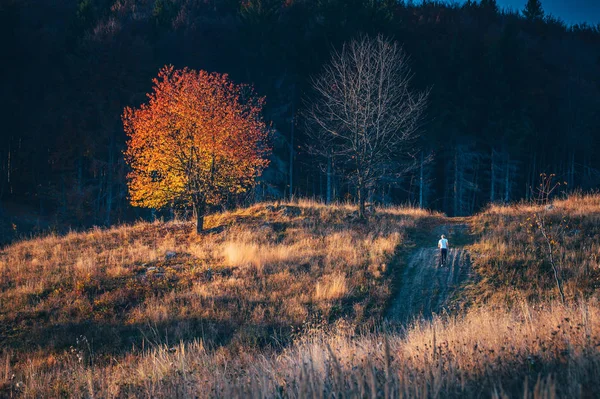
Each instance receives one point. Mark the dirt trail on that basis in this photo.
(424, 287)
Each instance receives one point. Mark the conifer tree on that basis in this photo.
(533, 10)
(489, 5)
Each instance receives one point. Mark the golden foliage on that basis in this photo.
(199, 137)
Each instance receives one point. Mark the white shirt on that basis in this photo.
(443, 243)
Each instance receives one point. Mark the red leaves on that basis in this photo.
(200, 132)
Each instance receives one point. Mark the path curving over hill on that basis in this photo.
(424, 287)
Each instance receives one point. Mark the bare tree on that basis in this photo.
(553, 234)
(364, 116)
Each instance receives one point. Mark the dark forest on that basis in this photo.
(512, 95)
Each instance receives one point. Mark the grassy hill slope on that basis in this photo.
(287, 302)
(257, 272)
(518, 244)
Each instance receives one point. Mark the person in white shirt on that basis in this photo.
(443, 246)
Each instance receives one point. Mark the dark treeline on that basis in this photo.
(512, 94)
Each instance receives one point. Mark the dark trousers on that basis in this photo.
(443, 256)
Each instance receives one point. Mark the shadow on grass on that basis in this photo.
(105, 338)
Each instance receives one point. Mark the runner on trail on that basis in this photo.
(443, 246)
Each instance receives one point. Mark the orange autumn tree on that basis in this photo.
(197, 139)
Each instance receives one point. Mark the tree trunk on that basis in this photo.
(329, 173)
(461, 180)
(100, 191)
(361, 201)
(200, 209)
(80, 177)
(455, 186)
(199, 222)
(291, 170)
(321, 190)
(475, 188)
(533, 177)
(63, 195)
(109, 181)
(507, 180)
(9, 168)
(493, 179)
(572, 172)
(421, 182)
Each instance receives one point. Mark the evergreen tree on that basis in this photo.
(533, 10)
(489, 5)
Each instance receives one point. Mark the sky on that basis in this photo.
(570, 11)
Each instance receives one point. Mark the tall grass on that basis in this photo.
(258, 273)
(541, 352)
(269, 305)
(511, 255)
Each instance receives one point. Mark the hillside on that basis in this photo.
(512, 256)
(288, 301)
(258, 272)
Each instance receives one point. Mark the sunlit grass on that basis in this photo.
(279, 303)
(258, 270)
(544, 352)
(512, 256)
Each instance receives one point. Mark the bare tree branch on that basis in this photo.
(364, 115)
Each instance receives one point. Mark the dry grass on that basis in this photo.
(541, 352)
(577, 204)
(512, 256)
(268, 305)
(250, 282)
(331, 287)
